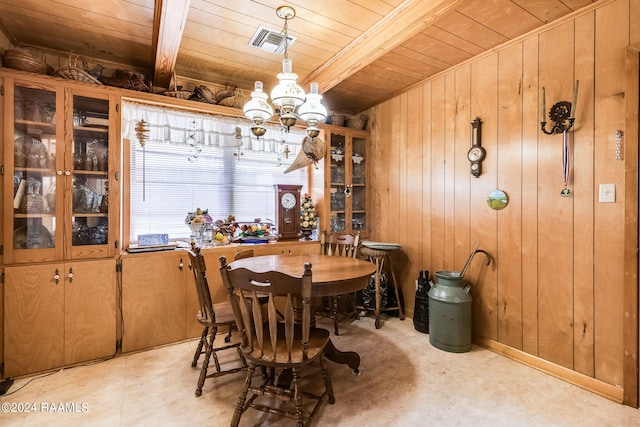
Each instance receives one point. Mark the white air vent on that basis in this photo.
(270, 40)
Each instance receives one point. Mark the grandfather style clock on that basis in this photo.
(288, 211)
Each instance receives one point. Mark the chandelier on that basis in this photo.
(288, 97)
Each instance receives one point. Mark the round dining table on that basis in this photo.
(331, 275)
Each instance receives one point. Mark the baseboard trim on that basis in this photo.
(612, 392)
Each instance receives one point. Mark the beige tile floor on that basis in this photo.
(404, 382)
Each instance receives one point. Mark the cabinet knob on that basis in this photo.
(70, 275)
(67, 173)
(56, 276)
(181, 265)
(347, 190)
(58, 172)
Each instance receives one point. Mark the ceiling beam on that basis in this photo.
(169, 20)
(404, 22)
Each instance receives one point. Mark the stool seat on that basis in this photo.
(379, 253)
(381, 246)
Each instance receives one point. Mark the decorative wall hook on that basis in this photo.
(562, 113)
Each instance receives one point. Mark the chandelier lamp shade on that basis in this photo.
(289, 98)
(258, 110)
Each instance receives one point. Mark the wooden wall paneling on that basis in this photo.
(377, 183)
(531, 114)
(393, 172)
(555, 213)
(438, 188)
(634, 18)
(610, 49)
(484, 95)
(427, 166)
(403, 222)
(414, 231)
(509, 226)
(630, 328)
(462, 140)
(449, 172)
(583, 196)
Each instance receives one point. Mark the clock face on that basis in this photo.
(288, 201)
(475, 154)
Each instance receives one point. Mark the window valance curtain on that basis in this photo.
(175, 126)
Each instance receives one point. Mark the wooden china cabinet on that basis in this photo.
(346, 180)
(60, 225)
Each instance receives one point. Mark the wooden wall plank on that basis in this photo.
(393, 173)
(427, 165)
(484, 95)
(609, 217)
(414, 231)
(462, 176)
(631, 326)
(509, 155)
(438, 186)
(555, 213)
(583, 195)
(531, 109)
(449, 173)
(377, 182)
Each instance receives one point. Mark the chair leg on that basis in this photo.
(243, 396)
(327, 380)
(207, 355)
(196, 356)
(297, 397)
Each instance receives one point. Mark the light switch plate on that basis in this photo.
(607, 193)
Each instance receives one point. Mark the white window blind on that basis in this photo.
(193, 160)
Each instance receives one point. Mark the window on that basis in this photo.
(193, 160)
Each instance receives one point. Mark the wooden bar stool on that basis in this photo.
(379, 253)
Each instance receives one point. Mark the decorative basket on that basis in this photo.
(337, 119)
(71, 71)
(231, 98)
(357, 122)
(204, 94)
(26, 59)
(127, 80)
(177, 91)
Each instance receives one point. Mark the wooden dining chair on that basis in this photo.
(338, 244)
(245, 253)
(214, 317)
(285, 347)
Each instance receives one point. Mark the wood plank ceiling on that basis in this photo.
(361, 52)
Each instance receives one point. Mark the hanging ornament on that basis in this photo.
(192, 141)
(311, 151)
(142, 133)
(239, 144)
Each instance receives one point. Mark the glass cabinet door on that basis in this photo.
(338, 174)
(34, 154)
(347, 177)
(59, 162)
(358, 183)
(89, 173)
